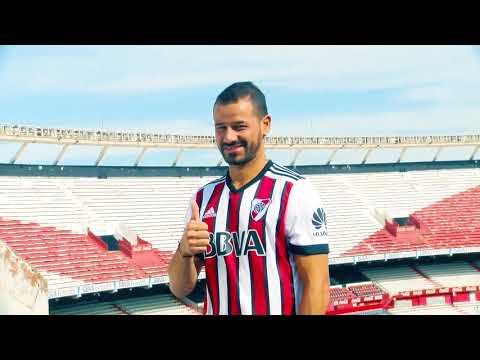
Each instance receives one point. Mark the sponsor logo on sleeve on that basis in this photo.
(319, 222)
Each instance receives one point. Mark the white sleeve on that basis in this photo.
(306, 221)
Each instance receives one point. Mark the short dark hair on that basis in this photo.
(240, 90)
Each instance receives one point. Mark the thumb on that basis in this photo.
(195, 211)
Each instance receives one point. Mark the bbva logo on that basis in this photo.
(223, 243)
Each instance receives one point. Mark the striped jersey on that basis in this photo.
(255, 231)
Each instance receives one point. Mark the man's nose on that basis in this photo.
(230, 136)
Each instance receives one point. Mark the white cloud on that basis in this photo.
(442, 120)
(133, 69)
(429, 93)
(445, 78)
(304, 68)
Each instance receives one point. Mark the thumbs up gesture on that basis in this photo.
(195, 211)
(195, 237)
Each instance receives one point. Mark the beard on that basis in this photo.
(251, 150)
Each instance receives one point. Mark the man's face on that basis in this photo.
(239, 131)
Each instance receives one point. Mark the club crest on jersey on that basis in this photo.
(259, 208)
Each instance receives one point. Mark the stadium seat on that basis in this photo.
(68, 259)
(44, 220)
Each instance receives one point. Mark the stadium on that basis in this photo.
(94, 239)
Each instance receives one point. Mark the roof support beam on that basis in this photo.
(140, 156)
(177, 158)
(475, 152)
(19, 153)
(334, 152)
(101, 155)
(400, 157)
(295, 157)
(60, 155)
(365, 158)
(437, 153)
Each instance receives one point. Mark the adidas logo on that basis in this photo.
(209, 213)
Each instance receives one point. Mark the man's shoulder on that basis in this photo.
(285, 173)
(302, 188)
(213, 183)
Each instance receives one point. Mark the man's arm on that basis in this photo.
(313, 273)
(184, 267)
(306, 229)
(183, 273)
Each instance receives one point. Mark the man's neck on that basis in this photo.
(241, 175)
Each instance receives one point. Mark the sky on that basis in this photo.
(310, 90)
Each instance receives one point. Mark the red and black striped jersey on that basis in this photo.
(255, 231)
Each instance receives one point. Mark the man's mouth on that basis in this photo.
(232, 148)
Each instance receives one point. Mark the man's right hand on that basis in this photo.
(195, 237)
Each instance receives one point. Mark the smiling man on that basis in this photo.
(260, 230)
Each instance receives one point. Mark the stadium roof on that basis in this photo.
(66, 137)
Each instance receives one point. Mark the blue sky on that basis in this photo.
(311, 90)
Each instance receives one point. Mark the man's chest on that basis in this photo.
(241, 226)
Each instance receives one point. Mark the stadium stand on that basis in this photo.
(433, 231)
(162, 304)
(340, 293)
(395, 279)
(376, 213)
(468, 308)
(69, 260)
(371, 312)
(427, 310)
(356, 298)
(155, 305)
(154, 208)
(40, 200)
(348, 215)
(74, 203)
(93, 308)
(455, 274)
(368, 289)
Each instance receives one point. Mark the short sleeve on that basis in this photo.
(306, 221)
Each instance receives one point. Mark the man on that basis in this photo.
(260, 230)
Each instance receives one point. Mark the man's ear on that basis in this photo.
(265, 125)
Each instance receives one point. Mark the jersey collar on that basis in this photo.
(254, 180)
